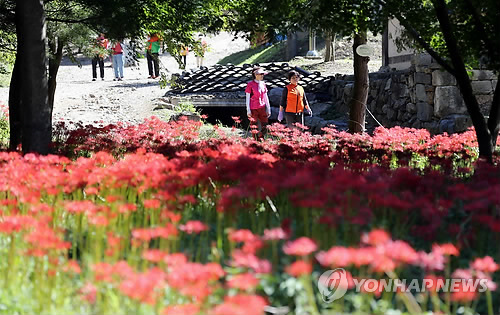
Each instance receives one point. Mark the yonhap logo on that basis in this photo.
(333, 284)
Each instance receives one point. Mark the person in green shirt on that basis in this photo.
(152, 50)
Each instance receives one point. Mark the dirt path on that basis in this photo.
(78, 98)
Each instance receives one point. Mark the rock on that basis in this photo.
(424, 111)
(275, 96)
(274, 113)
(421, 93)
(422, 78)
(411, 108)
(188, 115)
(483, 75)
(320, 108)
(161, 105)
(447, 100)
(441, 77)
(482, 87)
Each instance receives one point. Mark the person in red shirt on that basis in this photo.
(257, 101)
(118, 59)
(100, 46)
(293, 101)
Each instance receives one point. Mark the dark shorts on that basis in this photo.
(260, 114)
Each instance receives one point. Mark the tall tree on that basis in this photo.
(32, 91)
(28, 96)
(343, 17)
(459, 35)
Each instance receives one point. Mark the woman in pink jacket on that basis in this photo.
(257, 101)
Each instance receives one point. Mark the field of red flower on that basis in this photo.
(153, 219)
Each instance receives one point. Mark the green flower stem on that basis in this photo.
(447, 293)
(407, 298)
(10, 260)
(306, 282)
(489, 302)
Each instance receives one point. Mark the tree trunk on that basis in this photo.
(56, 54)
(484, 137)
(357, 105)
(36, 116)
(329, 46)
(494, 119)
(15, 107)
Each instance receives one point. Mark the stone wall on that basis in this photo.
(423, 96)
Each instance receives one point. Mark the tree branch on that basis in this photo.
(481, 30)
(72, 21)
(482, 132)
(420, 40)
(416, 35)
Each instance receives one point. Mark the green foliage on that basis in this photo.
(186, 106)
(256, 55)
(4, 127)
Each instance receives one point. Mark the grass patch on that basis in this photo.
(261, 54)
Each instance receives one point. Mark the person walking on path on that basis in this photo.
(200, 51)
(100, 48)
(184, 52)
(117, 60)
(293, 101)
(257, 101)
(152, 51)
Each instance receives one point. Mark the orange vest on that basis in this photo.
(294, 99)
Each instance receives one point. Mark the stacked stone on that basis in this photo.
(424, 96)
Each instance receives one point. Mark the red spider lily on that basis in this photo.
(400, 251)
(372, 286)
(167, 231)
(72, 266)
(236, 119)
(433, 283)
(154, 255)
(144, 287)
(176, 259)
(184, 309)
(334, 280)
(151, 203)
(193, 227)
(376, 237)
(337, 256)
(241, 305)
(192, 279)
(243, 235)
(127, 208)
(244, 282)
(252, 246)
(463, 293)
(249, 260)
(16, 223)
(299, 268)
(431, 261)
(275, 234)
(300, 247)
(45, 238)
(89, 293)
(445, 249)
(485, 264)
